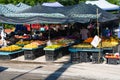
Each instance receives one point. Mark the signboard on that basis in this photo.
(96, 41)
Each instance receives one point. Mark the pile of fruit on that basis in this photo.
(11, 48)
(83, 45)
(37, 42)
(30, 46)
(52, 47)
(23, 42)
(112, 56)
(63, 41)
(88, 40)
(109, 43)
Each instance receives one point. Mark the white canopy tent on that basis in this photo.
(103, 4)
(52, 4)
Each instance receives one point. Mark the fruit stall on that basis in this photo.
(30, 50)
(58, 48)
(11, 52)
(84, 52)
(53, 52)
(33, 50)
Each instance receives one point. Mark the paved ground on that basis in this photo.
(54, 71)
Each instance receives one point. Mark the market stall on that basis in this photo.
(57, 48)
(10, 52)
(85, 51)
(82, 13)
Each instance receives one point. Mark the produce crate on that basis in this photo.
(65, 50)
(30, 54)
(52, 55)
(113, 61)
(10, 55)
(75, 57)
(83, 56)
(95, 57)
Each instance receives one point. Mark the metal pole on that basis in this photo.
(98, 35)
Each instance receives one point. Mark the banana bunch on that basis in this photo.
(11, 48)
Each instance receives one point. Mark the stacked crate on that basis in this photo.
(10, 55)
(31, 54)
(52, 55)
(78, 57)
(83, 56)
(75, 57)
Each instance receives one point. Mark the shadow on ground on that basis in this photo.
(25, 73)
(58, 72)
(2, 68)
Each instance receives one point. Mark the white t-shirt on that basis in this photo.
(84, 33)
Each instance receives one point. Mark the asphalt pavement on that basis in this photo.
(58, 71)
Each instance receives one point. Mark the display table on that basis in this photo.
(11, 55)
(30, 54)
(81, 54)
(112, 58)
(53, 54)
(107, 50)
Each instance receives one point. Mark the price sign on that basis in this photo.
(96, 41)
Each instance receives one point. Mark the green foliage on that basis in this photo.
(117, 2)
(67, 2)
(2, 1)
(8, 26)
(63, 2)
(34, 2)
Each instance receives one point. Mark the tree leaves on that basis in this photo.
(117, 2)
(63, 2)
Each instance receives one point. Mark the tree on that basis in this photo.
(2, 1)
(63, 2)
(117, 2)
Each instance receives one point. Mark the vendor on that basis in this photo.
(106, 32)
(84, 33)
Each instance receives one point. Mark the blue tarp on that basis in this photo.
(10, 8)
(82, 13)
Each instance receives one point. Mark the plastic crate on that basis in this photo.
(75, 57)
(51, 55)
(113, 61)
(10, 55)
(95, 57)
(65, 50)
(30, 54)
(83, 57)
